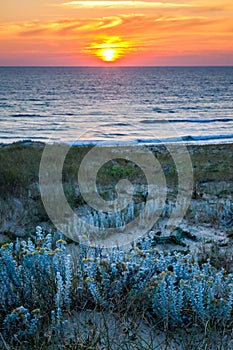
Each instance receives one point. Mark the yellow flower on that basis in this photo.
(90, 280)
(4, 246)
(140, 253)
(36, 311)
(61, 241)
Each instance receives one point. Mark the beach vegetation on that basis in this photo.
(105, 299)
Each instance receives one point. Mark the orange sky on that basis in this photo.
(175, 32)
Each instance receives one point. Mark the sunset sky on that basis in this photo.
(116, 32)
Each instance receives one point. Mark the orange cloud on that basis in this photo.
(137, 25)
(122, 4)
(70, 41)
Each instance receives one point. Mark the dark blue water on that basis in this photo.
(116, 104)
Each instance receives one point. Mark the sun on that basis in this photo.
(109, 49)
(108, 55)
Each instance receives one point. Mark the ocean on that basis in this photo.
(116, 104)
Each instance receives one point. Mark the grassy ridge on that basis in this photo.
(19, 164)
(19, 174)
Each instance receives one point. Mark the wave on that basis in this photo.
(196, 140)
(63, 114)
(32, 138)
(161, 110)
(115, 134)
(188, 138)
(117, 124)
(5, 105)
(207, 137)
(27, 115)
(202, 121)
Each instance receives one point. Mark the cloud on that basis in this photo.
(133, 25)
(145, 35)
(122, 4)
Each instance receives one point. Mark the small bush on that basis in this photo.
(41, 288)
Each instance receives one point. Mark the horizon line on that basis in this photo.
(109, 66)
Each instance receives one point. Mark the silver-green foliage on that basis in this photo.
(39, 288)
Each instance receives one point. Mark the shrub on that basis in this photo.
(40, 290)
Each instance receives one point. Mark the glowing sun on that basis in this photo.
(108, 55)
(109, 49)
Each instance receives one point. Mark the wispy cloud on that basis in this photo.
(138, 25)
(161, 34)
(122, 3)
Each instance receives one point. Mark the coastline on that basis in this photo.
(186, 140)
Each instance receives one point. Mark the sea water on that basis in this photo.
(116, 104)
